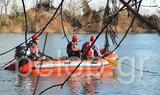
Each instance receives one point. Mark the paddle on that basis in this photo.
(8, 63)
(114, 63)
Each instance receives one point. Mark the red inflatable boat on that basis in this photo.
(58, 65)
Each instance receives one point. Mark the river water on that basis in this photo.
(141, 51)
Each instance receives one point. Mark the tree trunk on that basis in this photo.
(5, 10)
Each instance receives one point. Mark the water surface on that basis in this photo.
(135, 46)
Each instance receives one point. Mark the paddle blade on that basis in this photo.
(114, 63)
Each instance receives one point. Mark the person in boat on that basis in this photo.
(87, 52)
(94, 51)
(95, 47)
(72, 47)
(34, 48)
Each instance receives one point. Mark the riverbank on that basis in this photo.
(15, 23)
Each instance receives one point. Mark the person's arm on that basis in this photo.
(82, 49)
(97, 50)
(69, 46)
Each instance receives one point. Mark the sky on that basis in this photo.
(96, 4)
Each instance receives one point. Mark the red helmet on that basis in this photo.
(35, 37)
(92, 38)
(75, 38)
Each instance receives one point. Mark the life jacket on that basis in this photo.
(73, 49)
(85, 48)
(102, 51)
(34, 48)
(96, 50)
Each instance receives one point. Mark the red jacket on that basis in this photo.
(90, 53)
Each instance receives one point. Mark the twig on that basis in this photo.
(139, 16)
(65, 35)
(26, 22)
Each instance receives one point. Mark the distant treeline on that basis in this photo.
(88, 22)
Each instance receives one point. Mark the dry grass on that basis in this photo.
(40, 18)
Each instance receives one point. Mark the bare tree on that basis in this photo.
(5, 4)
(45, 4)
(1, 6)
(86, 8)
(72, 7)
(1, 11)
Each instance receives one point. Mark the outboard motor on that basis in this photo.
(21, 51)
(22, 55)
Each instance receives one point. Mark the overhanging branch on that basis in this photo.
(140, 16)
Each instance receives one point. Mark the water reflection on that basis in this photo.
(77, 85)
(89, 84)
(24, 86)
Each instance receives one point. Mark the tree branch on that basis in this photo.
(139, 16)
